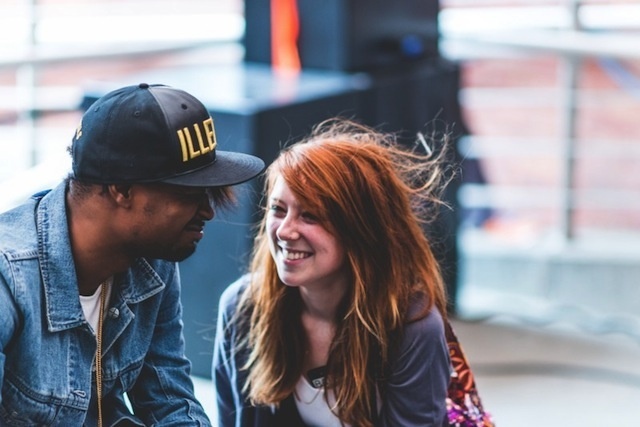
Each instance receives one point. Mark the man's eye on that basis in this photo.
(194, 197)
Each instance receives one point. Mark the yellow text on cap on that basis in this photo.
(185, 136)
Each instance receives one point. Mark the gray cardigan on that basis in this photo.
(415, 392)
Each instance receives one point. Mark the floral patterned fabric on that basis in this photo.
(464, 407)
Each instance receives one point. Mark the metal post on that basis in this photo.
(569, 74)
(573, 7)
(26, 82)
(569, 79)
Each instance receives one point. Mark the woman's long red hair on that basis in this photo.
(373, 195)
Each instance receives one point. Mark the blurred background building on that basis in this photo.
(548, 132)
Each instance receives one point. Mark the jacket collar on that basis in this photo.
(63, 309)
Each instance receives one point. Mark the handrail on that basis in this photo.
(52, 55)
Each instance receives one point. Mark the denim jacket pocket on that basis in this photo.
(129, 375)
(22, 407)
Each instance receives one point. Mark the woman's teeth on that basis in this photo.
(292, 255)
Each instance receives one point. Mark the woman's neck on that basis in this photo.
(323, 302)
(319, 334)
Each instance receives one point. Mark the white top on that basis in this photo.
(91, 305)
(313, 407)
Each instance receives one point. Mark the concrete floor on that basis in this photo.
(552, 375)
(532, 375)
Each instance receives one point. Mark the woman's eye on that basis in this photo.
(275, 208)
(309, 217)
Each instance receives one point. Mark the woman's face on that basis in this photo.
(305, 253)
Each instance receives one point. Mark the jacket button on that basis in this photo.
(114, 313)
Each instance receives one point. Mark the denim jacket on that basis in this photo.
(47, 347)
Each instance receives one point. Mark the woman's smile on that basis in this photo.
(291, 255)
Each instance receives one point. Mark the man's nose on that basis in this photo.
(207, 206)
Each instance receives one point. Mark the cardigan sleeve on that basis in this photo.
(416, 390)
(225, 369)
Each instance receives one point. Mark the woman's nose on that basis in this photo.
(287, 230)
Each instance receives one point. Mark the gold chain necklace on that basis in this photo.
(103, 298)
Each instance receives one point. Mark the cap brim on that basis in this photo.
(230, 168)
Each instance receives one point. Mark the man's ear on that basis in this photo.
(121, 194)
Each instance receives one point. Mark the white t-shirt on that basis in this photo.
(91, 305)
(313, 407)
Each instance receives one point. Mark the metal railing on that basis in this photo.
(42, 40)
(571, 31)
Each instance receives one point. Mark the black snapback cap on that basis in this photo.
(155, 133)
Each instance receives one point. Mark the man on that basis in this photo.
(89, 286)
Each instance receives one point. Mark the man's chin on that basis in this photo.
(180, 254)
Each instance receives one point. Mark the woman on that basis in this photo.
(340, 320)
